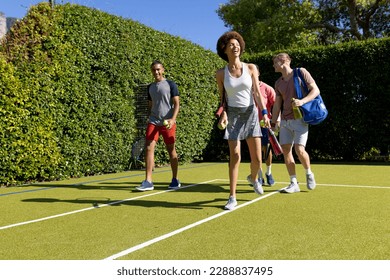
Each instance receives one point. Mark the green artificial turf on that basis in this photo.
(345, 218)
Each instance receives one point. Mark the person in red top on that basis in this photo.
(269, 95)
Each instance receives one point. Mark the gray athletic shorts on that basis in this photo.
(293, 132)
(242, 123)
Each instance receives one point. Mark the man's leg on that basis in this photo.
(173, 159)
(149, 159)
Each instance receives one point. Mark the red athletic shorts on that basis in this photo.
(153, 133)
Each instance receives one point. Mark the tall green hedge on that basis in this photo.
(29, 146)
(68, 80)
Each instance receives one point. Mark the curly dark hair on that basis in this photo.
(224, 40)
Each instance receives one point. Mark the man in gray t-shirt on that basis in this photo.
(164, 104)
(161, 96)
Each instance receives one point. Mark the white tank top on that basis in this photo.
(238, 90)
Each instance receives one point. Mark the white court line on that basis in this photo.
(99, 206)
(354, 186)
(180, 230)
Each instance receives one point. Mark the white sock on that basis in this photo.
(293, 179)
(268, 172)
(308, 171)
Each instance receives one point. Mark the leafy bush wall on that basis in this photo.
(68, 80)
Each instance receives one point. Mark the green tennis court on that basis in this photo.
(102, 217)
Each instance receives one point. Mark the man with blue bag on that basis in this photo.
(294, 130)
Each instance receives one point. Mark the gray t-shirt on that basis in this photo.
(161, 94)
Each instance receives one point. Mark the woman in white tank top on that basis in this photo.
(240, 82)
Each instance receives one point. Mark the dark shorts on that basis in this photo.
(265, 137)
(153, 132)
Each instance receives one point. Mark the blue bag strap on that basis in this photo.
(298, 76)
(303, 81)
(296, 83)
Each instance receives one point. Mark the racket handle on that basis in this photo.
(219, 112)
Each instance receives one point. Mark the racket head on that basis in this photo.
(137, 148)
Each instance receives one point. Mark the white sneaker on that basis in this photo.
(292, 188)
(310, 181)
(258, 187)
(232, 202)
(145, 186)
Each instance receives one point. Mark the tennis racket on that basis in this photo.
(137, 150)
(141, 117)
(274, 143)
